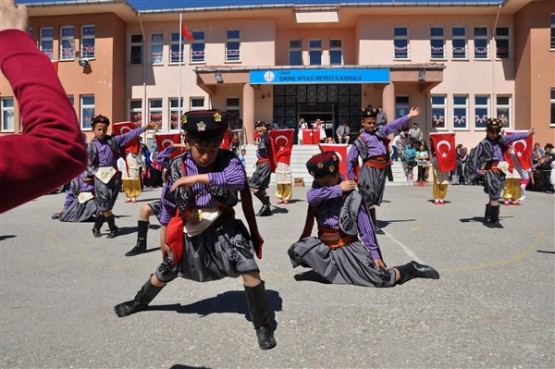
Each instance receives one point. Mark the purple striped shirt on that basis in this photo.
(106, 156)
(232, 177)
(375, 145)
(328, 216)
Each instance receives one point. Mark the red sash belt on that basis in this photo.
(262, 161)
(379, 162)
(493, 166)
(334, 238)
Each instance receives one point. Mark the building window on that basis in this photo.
(67, 43)
(196, 103)
(136, 51)
(401, 106)
(88, 42)
(233, 46)
(47, 41)
(460, 112)
(552, 106)
(481, 43)
(198, 47)
(437, 43)
(438, 111)
(401, 42)
(175, 47)
(86, 111)
(8, 117)
(336, 52)
(552, 47)
(315, 52)
(232, 103)
(459, 43)
(176, 110)
(157, 48)
(136, 112)
(502, 42)
(155, 110)
(295, 52)
(481, 108)
(504, 110)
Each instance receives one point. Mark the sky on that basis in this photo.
(178, 4)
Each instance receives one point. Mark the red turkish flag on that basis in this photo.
(124, 127)
(341, 151)
(186, 33)
(226, 142)
(445, 149)
(282, 145)
(164, 140)
(523, 150)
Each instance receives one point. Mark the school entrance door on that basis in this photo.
(329, 102)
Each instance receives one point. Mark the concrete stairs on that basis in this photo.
(299, 157)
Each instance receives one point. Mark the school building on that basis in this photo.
(460, 61)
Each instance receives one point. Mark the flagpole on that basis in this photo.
(179, 101)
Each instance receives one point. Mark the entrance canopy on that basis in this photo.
(319, 76)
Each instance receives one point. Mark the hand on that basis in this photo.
(348, 185)
(165, 248)
(379, 264)
(531, 131)
(151, 125)
(187, 181)
(88, 179)
(13, 16)
(482, 171)
(414, 112)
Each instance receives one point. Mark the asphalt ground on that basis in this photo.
(494, 306)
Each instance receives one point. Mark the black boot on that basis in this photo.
(112, 224)
(146, 294)
(140, 247)
(487, 215)
(377, 229)
(98, 224)
(260, 313)
(494, 223)
(266, 209)
(415, 270)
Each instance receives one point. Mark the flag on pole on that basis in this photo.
(124, 127)
(282, 145)
(445, 150)
(523, 150)
(185, 33)
(341, 151)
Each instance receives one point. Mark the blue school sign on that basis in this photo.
(307, 76)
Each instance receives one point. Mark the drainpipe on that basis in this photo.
(493, 57)
(144, 76)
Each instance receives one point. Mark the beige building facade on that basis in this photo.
(461, 64)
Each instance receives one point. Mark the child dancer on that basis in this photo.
(104, 151)
(371, 145)
(346, 250)
(204, 240)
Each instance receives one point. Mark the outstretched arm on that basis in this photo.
(51, 150)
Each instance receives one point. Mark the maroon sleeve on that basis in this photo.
(51, 151)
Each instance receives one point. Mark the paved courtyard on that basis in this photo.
(494, 306)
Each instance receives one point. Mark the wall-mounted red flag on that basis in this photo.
(341, 151)
(523, 150)
(186, 33)
(445, 150)
(282, 145)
